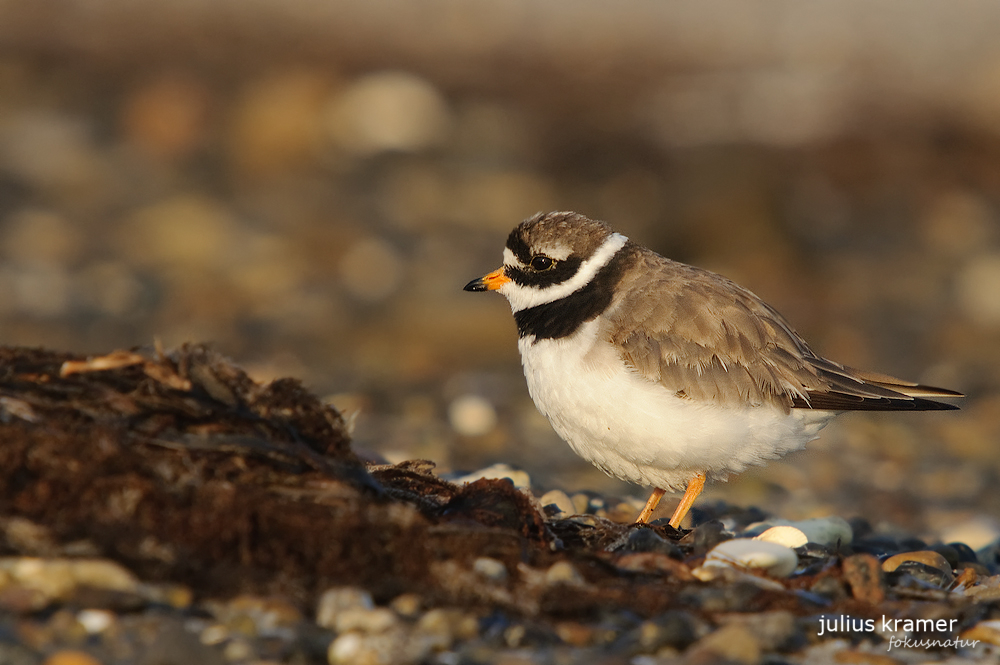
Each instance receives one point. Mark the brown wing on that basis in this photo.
(704, 337)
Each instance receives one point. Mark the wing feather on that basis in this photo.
(706, 338)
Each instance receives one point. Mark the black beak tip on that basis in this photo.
(475, 285)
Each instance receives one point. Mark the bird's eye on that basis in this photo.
(541, 262)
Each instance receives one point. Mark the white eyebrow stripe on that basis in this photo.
(510, 260)
(524, 297)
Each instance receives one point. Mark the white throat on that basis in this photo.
(525, 297)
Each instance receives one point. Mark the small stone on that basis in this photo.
(647, 540)
(340, 599)
(622, 512)
(563, 572)
(976, 533)
(986, 591)
(560, 500)
(731, 643)
(472, 415)
(922, 573)
(581, 503)
(830, 588)
(346, 649)
(389, 111)
(177, 596)
(436, 631)
(256, 616)
(772, 630)
(926, 557)
(95, 621)
(574, 633)
(59, 578)
(407, 605)
(521, 479)
(823, 530)
(789, 536)
(984, 631)
(965, 553)
(490, 568)
(774, 559)
(377, 620)
(239, 649)
(705, 537)
(654, 563)
(864, 576)
(71, 657)
(674, 629)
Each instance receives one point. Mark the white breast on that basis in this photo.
(636, 430)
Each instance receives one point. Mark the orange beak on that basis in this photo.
(490, 282)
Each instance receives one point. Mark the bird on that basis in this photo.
(664, 374)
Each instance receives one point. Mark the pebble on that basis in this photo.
(976, 532)
(823, 530)
(581, 503)
(908, 571)
(490, 568)
(96, 621)
(773, 630)
(673, 629)
(341, 599)
(377, 620)
(984, 631)
(57, 578)
(705, 536)
(987, 590)
(390, 110)
(647, 540)
(732, 643)
(71, 657)
(472, 415)
(563, 573)
(407, 605)
(789, 536)
(926, 557)
(521, 479)
(771, 558)
(863, 575)
(560, 500)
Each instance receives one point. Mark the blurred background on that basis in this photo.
(308, 185)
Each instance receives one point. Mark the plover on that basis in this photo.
(664, 374)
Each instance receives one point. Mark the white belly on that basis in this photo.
(636, 430)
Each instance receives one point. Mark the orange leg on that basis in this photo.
(695, 485)
(654, 499)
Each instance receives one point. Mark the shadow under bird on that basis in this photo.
(664, 374)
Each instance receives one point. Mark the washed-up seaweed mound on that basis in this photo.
(184, 469)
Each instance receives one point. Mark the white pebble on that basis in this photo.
(821, 530)
(490, 568)
(95, 621)
(389, 110)
(521, 479)
(788, 536)
(341, 599)
(345, 648)
(771, 558)
(563, 572)
(472, 415)
(561, 501)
